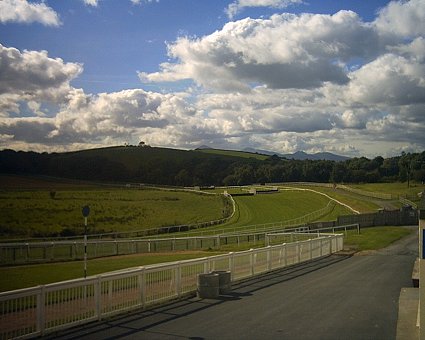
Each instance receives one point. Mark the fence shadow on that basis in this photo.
(143, 320)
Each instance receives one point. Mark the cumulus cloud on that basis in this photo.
(33, 76)
(289, 82)
(404, 18)
(284, 51)
(237, 6)
(21, 11)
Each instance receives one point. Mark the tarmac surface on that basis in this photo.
(336, 297)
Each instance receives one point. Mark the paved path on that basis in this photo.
(337, 297)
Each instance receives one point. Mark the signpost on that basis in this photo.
(86, 212)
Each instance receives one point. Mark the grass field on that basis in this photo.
(374, 238)
(392, 188)
(277, 207)
(32, 275)
(35, 213)
(396, 189)
(362, 205)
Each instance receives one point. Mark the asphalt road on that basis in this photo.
(337, 297)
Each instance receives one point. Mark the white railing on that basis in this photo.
(44, 309)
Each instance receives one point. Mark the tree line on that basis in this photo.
(194, 168)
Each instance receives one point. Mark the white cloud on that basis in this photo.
(138, 2)
(284, 51)
(239, 5)
(404, 18)
(33, 76)
(284, 83)
(21, 11)
(93, 3)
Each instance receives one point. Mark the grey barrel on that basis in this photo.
(208, 286)
(225, 281)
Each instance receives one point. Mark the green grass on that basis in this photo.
(233, 153)
(18, 277)
(32, 213)
(362, 205)
(374, 238)
(277, 207)
(396, 188)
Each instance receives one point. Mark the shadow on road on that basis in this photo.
(141, 321)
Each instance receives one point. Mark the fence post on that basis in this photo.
(97, 297)
(299, 249)
(269, 259)
(311, 248)
(41, 302)
(142, 286)
(232, 266)
(252, 259)
(178, 280)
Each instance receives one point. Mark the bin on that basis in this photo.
(208, 286)
(225, 282)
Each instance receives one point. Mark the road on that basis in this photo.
(337, 297)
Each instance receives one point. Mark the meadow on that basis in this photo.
(35, 213)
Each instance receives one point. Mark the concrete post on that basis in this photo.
(421, 311)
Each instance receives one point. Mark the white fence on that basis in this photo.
(44, 309)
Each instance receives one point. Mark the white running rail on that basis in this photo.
(44, 309)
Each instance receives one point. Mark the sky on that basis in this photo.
(346, 77)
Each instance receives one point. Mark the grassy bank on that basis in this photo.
(374, 238)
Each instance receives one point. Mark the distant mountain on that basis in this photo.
(301, 155)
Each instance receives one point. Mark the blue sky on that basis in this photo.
(282, 75)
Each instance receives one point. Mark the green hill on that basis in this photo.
(234, 153)
(206, 167)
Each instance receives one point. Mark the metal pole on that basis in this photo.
(85, 247)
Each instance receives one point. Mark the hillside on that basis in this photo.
(234, 153)
(207, 167)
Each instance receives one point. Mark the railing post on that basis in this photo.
(311, 248)
(97, 297)
(232, 265)
(299, 249)
(142, 286)
(252, 259)
(178, 280)
(41, 304)
(269, 259)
